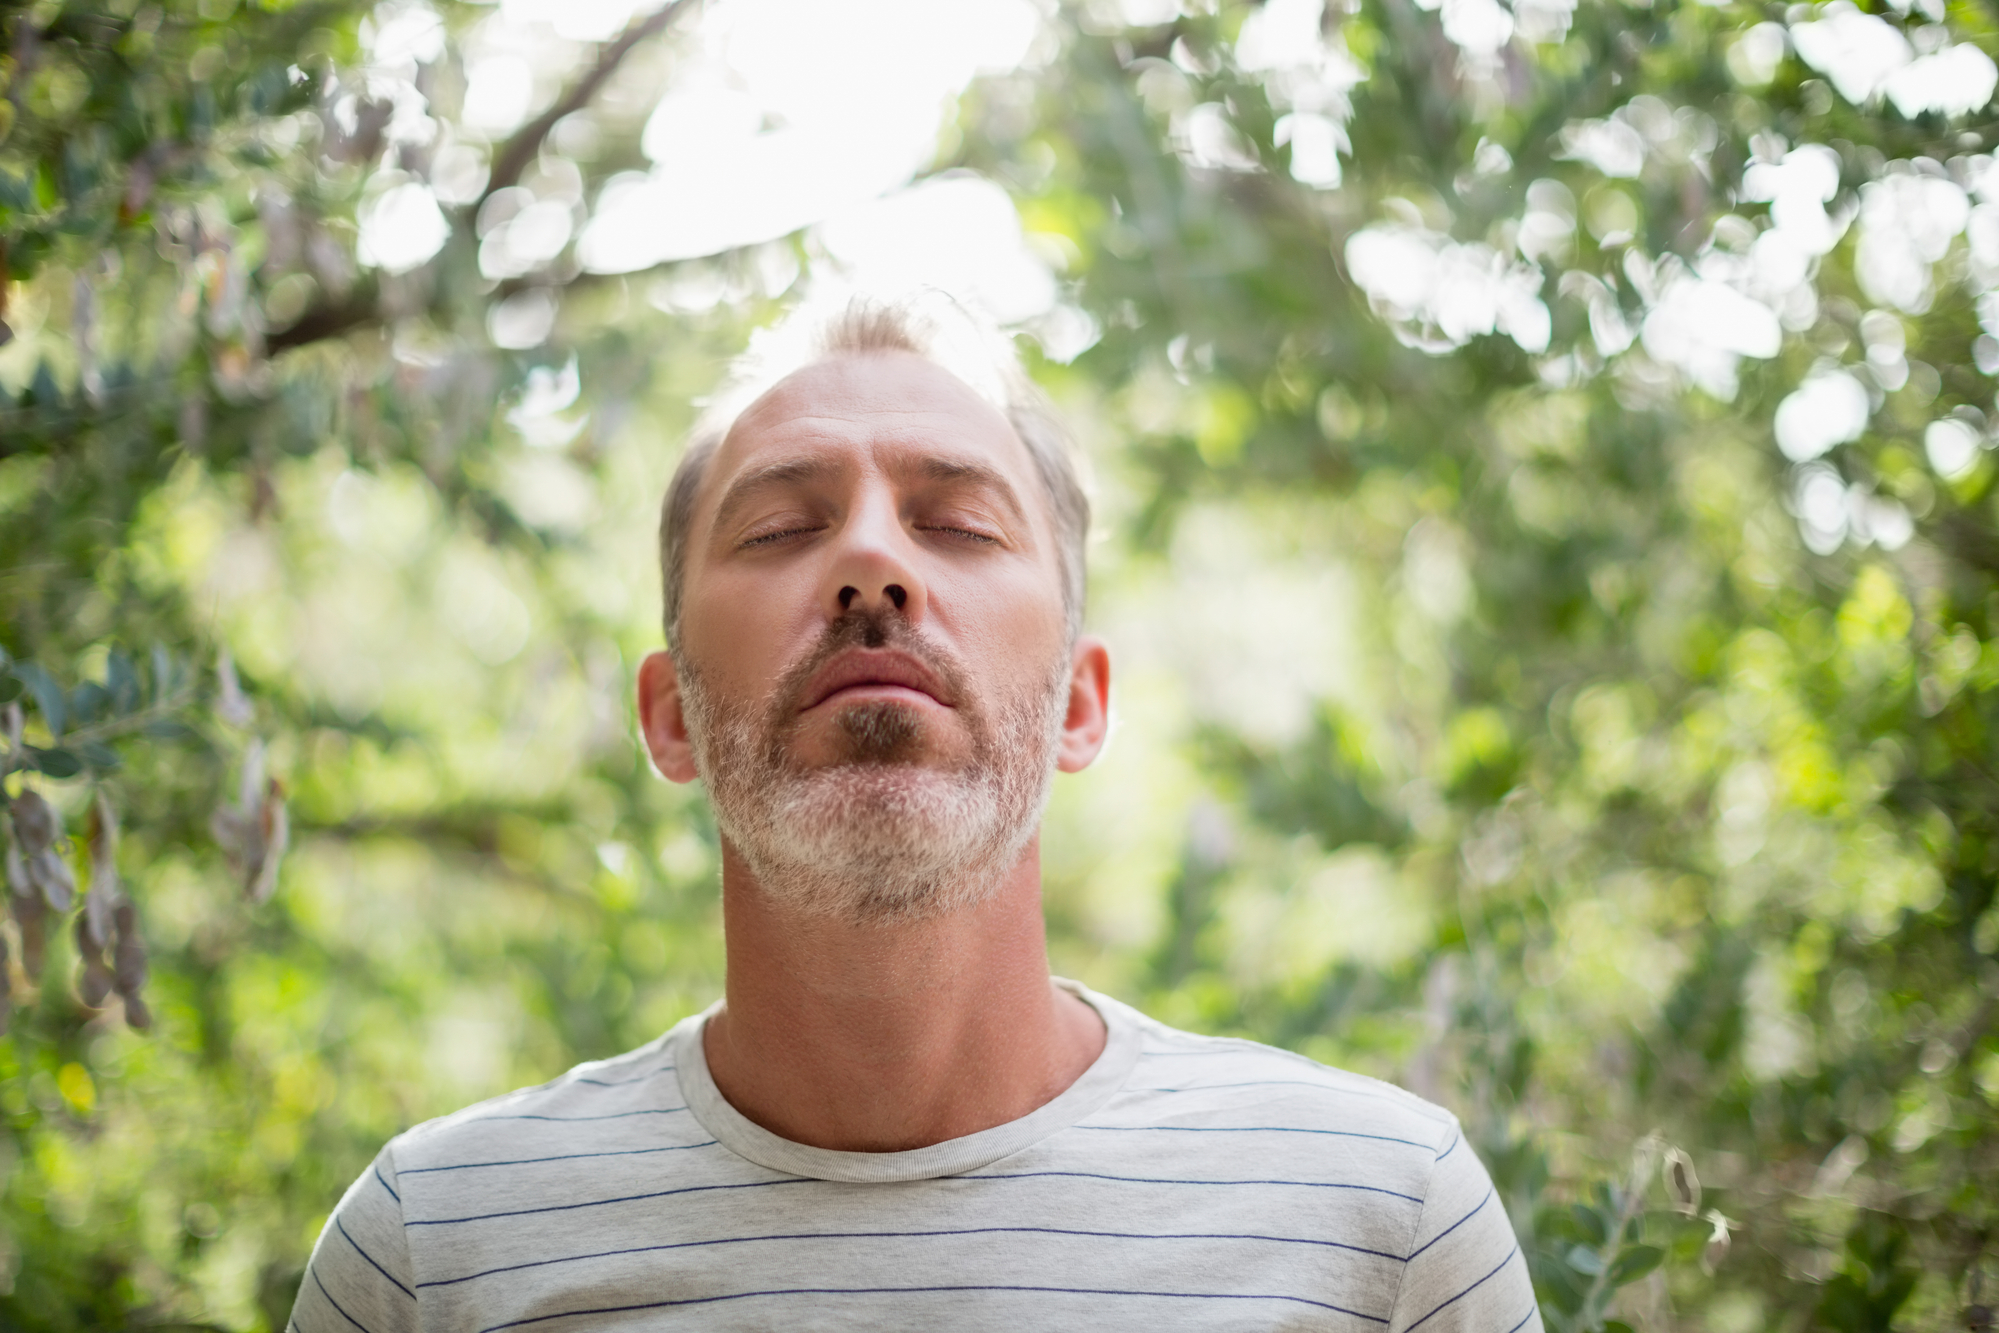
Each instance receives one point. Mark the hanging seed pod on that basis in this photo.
(255, 831)
(1682, 1183)
(129, 955)
(32, 913)
(35, 823)
(274, 823)
(93, 988)
(104, 890)
(1718, 1239)
(136, 1014)
(38, 828)
(93, 984)
(52, 875)
(231, 704)
(17, 871)
(129, 969)
(12, 722)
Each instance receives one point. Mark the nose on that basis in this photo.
(894, 592)
(874, 566)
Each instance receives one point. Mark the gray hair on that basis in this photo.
(945, 334)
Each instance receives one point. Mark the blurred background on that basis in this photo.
(1546, 536)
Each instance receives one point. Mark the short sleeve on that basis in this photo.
(359, 1276)
(1466, 1272)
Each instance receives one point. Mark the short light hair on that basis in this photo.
(937, 329)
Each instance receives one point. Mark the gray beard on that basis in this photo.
(878, 836)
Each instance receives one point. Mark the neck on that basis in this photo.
(881, 1037)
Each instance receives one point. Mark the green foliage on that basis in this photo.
(1504, 711)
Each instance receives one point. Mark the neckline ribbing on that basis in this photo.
(752, 1141)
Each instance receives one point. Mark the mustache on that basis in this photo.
(884, 628)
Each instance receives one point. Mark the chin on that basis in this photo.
(888, 842)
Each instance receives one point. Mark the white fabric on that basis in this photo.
(1183, 1182)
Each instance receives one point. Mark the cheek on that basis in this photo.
(742, 631)
(1015, 618)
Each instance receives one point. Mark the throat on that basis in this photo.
(886, 1036)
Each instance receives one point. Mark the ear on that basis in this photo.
(1088, 723)
(662, 721)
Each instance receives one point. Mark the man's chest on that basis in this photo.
(1153, 1242)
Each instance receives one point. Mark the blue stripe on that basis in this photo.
(599, 1203)
(1150, 1180)
(371, 1259)
(621, 1082)
(1523, 1319)
(903, 1291)
(335, 1304)
(912, 1235)
(568, 1119)
(565, 1157)
(1453, 1148)
(387, 1186)
(1254, 1129)
(1309, 1083)
(1489, 1191)
(1468, 1290)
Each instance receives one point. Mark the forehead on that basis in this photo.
(870, 404)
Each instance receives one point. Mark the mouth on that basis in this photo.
(860, 675)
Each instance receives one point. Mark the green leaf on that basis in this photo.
(1590, 1223)
(55, 763)
(122, 683)
(88, 702)
(1584, 1260)
(163, 675)
(48, 694)
(1635, 1263)
(100, 756)
(1617, 1326)
(10, 687)
(167, 729)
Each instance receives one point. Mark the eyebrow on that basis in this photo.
(787, 472)
(960, 472)
(930, 467)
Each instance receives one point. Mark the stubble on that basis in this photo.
(884, 833)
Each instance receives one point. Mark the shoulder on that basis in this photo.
(638, 1087)
(1229, 1075)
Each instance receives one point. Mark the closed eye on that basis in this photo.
(971, 534)
(770, 538)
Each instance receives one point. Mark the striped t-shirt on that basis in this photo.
(1182, 1182)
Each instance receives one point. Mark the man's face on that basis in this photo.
(873, 664)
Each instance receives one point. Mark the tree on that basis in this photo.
(1543, 452)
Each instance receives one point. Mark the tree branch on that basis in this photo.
(519, 151)
(321, 322)
(363, 307)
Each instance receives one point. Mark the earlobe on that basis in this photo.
(1088, 722)
(662, 721)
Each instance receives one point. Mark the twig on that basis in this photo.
(520, 150)
(1642, 1161)
(364, 307)
(108, 729)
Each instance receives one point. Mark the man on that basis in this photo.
(873, 562)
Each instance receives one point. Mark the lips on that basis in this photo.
(859, 669)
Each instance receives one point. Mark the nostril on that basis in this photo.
(897, 594)
(847, 596)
